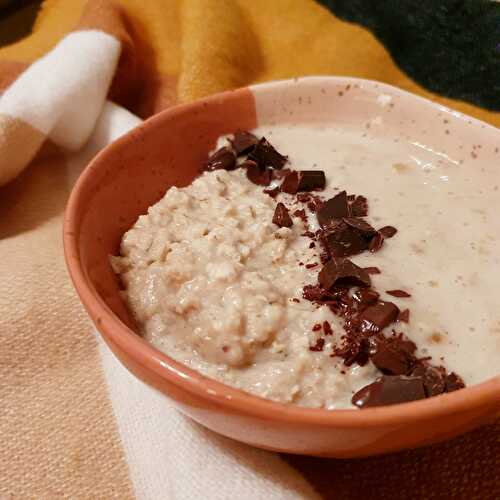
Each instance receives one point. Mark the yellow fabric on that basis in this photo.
(205, 46)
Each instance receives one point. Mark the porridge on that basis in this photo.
(280, 283)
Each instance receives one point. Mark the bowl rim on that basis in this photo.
(116, 332)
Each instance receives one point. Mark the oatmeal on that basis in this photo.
(223, 275)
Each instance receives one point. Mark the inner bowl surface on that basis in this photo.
(133, 173)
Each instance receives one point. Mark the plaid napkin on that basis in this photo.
(73, 422)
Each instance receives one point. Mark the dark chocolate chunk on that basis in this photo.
(377, 316)
(434, 383)
(243, 142)
(359, 207)
(266, 156)
(394, 358)
(344, 241)
(311, 180)
(256, 174)
(372, 270)
(453, 382)
(334, 208)
(272, 192)
(404, 316)
(281, 216)
(376, 243)
(291, 183)
(342, 272)
(223, 158)
(327, 329)
(365, 296)
(388, 231)
(311, 266)
(318, 346)
(389, 390)
(360, 225)
(316, 327)
(398, 293)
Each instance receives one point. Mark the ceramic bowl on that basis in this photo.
(134, 172)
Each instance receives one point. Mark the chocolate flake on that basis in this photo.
(334, 208)
(376, 243)
(389, 390)
(316, 327)
(318, 346)
(327, 329)
(359, 207)
(266, 155)
(388, 231)
(404, 316)
(376, 317)
(281, 216)
(398, 293)
(223, 158)
(342, 272)
(243, 142)
(453, 382)
(301, 214)
(256, 174)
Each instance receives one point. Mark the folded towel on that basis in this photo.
(74, 422)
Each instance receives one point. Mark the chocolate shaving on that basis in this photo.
(243, 142)
(376, 243)
(359, 207)
(398, 293)
(256, 174)
(265, 155)
(342, 272)
(334, 208)
(301, 214)
(223, 158)
(388, 231)
(376, 317)
(327, 329)
(453, 382)
(389, 390)
(404, 316)
(281, 216)
(318, 346)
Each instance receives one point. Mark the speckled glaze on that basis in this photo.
(133, 173)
